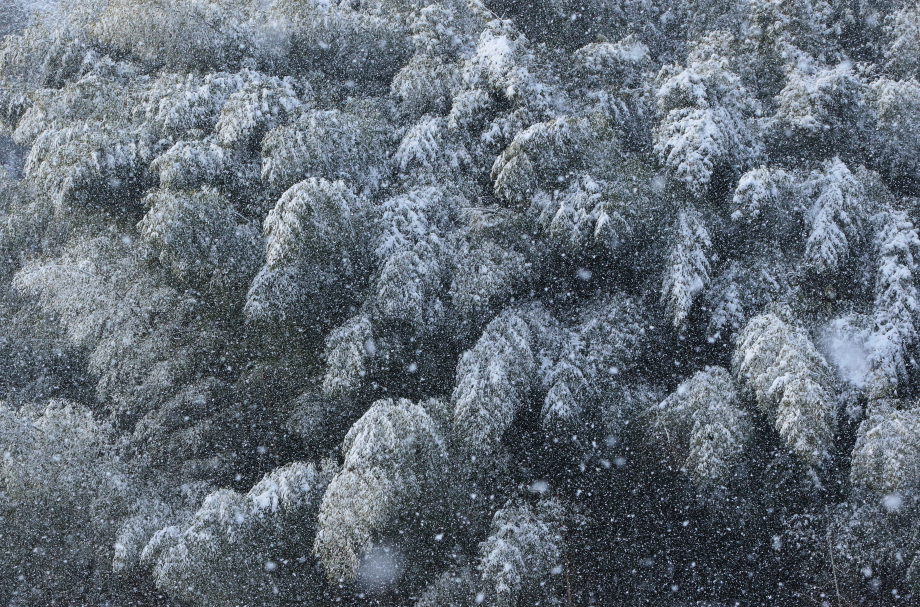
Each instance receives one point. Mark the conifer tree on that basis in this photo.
(894, 330)
(688, 266)
(493, 379)
(59, 485)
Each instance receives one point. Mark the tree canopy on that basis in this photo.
(459, 302)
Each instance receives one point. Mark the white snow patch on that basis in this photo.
(497, 53)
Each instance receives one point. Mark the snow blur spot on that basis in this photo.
(412, 368)
(777, 542)
(480, 597)
(370, 346)
(380, 569)
(892, 502)
(540, 486)
(845, 347)
(556, 570)
(270, 566)
(584, 274)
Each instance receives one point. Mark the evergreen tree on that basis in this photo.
(59, 484)
(493, 379)
(894, 332)
(688, 267)
(704, 112)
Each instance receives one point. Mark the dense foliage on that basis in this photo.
(575, 302)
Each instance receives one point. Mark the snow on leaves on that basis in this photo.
(485, 275)
(176, 105)
(244, 549)
(89, 164)
(181, 33)
(593, 357)
(821, 108)
(141, 335)
(201, 239)
(258, 106)
(425, 85)
(836, 215)
(702, 426)
(791, 382)
(539, 153)
(314, 218)
(427, 149)
(314, 241)
(394, 456)
(896, 106)
(493, 378)
(886, 457)
(60, 483)
(903, 51)
(687, 271)
(760, 193)
(329, 144)
(578, 216)
(704, 111)
(189, 164)
(894, 325)
(479, 212)
(523, 552)
(348, 349)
